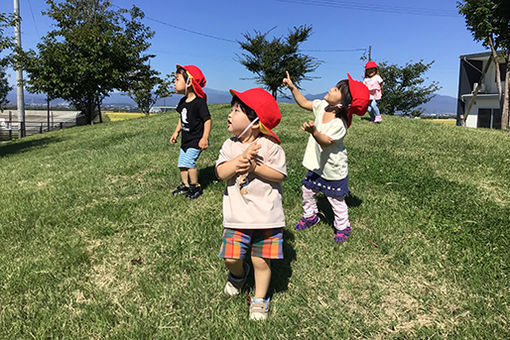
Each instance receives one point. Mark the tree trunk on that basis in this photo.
(99, 110)
(506, 99)
(498, 73)
(48, 111)
(475, 93)
(90, 111)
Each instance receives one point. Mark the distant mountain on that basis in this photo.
(439, 104)
(122, 99)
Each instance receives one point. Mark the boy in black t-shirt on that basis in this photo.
(195, 124)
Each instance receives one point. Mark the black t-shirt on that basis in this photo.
(193, 115)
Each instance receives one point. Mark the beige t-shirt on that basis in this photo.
(261, 207)
(331, 162)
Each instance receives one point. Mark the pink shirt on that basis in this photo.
(374, 86)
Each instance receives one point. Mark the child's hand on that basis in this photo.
(173, 139)
(203, 143)
(251, 151)
(242, 165)
(288, 82)
(246, 161)
(309, 126)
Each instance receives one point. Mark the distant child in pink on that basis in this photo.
(374, 83)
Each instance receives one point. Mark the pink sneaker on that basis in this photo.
(377, 119)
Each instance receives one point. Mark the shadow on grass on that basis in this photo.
(325, 211)
(281, 270)
(206, 176)
(25, 145)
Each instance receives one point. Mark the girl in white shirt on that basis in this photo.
(325, 155)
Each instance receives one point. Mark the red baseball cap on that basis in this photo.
(360, 99)
(264, 105)
(197, 79)
(370, 64)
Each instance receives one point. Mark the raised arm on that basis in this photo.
(298, 96)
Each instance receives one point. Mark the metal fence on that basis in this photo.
(9, 128)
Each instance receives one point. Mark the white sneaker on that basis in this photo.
(233, 286)
(259, 309)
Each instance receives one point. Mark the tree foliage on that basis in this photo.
(93, 50)
(270, 59)
(405, 89)
(489, 22)
(146, 87)
(6, 43)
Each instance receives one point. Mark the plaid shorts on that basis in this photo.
(265, 243)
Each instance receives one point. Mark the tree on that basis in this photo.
(489, 22)
(270, 59)
(5, 44)
(92, 51)
(405, 88)
(147, 87)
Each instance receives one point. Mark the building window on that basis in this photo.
(489, 118)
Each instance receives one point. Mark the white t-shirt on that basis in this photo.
(330, 162)
(261, 207)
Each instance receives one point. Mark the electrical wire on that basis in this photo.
(185, 29)
(33, 17)
(234, 41)
(371, 7)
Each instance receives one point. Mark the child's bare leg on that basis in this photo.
(184, 175)
(235, 266)
(262, 273)
(193, 176)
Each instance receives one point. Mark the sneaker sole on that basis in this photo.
(258, 316)
(194, 196)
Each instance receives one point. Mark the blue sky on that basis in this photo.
(399, 31)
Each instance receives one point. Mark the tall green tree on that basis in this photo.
(6, 43)
(146, 87)
(489, 22)
(93, 51)
(405, 88)
(269, 59)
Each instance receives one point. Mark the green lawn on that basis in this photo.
(94, 246)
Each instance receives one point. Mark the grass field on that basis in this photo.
(94, 246)
(117, 116)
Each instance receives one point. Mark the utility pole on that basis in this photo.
(19, 75)
(369, 52)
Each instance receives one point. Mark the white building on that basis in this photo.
(485, 112)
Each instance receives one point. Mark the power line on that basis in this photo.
(234, 41)
(33, 18)
(185, 29)
(364, 6)
(345, 50)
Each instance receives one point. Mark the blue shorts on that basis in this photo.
(188, 158)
